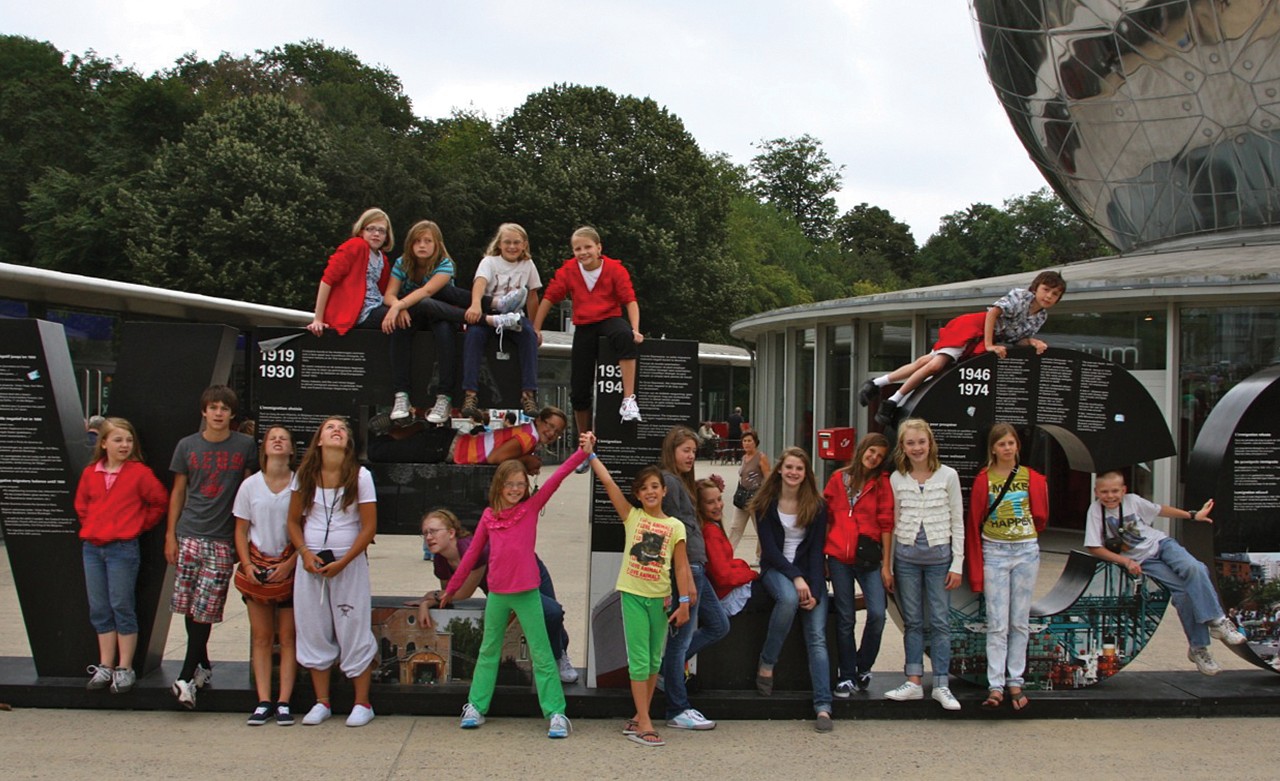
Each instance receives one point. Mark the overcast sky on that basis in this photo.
(894, 89)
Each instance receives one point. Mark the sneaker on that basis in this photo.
(568, 673)
(440, 410)
(508, 322)
(529, 403)
(185, 691)
(864, 681)
(318, 714)
(360, 716)
(1224, 630)
(101, 676)
(943, 695)
(471, 718)
(379, 424)
(284, 716)
(691, 719)
(1204, 661)
(511, 302)
(823, 723)
(203, 676)
(845, 689)
(630, 411)
(867, 392)
(907, 691)
(122, 681)
(400, 407)
(471, 405)
(887, 412)
(260, 715)
(560, 726)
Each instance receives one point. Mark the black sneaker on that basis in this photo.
(864, 681)
(379, 424)
(284, 716)
(867, 392)
(260, 715)
(887, 412)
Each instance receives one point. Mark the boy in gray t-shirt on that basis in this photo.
(207, 469)
(1117, 529)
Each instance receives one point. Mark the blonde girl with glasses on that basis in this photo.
(355, 280)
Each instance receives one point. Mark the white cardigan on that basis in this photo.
(939, 508)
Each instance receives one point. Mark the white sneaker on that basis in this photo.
(122, 681)
(1224, 630)
(943, 695)
(400, 407)
(508, 322)
(568, 674)
(907, 691)
(203, 677)
(440, 410)
(1204, 661)
(318, 714)
(691, 719)
(471, 718)
(185, 691)
(360, 716)
(101, 676)
(560, 726)
(511, 302)
(629, 411)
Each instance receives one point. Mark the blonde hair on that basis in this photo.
(369, 216)
(450, 520)
(100, 446)
(900, 459)
(415, 269)
(495, 249)
(588, 232)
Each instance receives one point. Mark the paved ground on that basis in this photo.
(108, 745)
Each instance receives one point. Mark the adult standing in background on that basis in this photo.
(735, 426)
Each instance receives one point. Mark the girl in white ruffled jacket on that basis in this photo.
(926, 556)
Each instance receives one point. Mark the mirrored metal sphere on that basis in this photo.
(1153, 119)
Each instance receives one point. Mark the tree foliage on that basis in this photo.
(797, 177)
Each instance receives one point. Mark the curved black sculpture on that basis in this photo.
(1236, 461)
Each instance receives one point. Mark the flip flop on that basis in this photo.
(1019, 701)
(647, 739)
(995, 698)
(630, 727)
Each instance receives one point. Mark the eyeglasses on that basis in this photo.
(375, 229)
(433, 532)
(515, 485)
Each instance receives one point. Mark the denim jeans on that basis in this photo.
(1008, 578)
(855, 658)
(110, 579)
(707, 623)
(1188, 581)
(785, 606)
(553, 613)
(919, 586)
(441, 318)
(526, 344)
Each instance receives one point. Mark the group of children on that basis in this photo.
(361, 288)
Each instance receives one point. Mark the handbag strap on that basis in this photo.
(1008, 481)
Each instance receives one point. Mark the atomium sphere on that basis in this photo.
(1153, 119)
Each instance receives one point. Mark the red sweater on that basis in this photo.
(612, 292)
(872, 515)
(979, 500)
(345, 275)
(134, 504)
(724, 571)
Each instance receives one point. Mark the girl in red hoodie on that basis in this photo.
(117, 500)
(730, 577)
(860, 509)
(355, 279)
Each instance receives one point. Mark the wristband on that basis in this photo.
(1191, 514)
(591, 456)
(684, 600)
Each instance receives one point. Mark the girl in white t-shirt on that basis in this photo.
(265, 574)
(333, 517)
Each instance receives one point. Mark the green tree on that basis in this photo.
(231, 210)
(797, 177)
(878, 248)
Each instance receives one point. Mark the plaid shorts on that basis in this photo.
(204, 574)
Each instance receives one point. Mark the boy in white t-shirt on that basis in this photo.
(1117, 529)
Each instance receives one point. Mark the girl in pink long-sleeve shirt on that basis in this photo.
(509, 529)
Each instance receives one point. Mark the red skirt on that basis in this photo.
(964, 331)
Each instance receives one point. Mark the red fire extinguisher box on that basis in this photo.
(836, 444)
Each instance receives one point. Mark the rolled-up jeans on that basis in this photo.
(915, 585)
(1009, 572)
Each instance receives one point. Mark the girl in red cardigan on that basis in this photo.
(117, 500)
(601, 291)
(1008, 507)
(730, 577)
(355, 279)
(859, 505)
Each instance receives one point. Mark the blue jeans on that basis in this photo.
(553, 613)
(785, 605)
(1008, 578)
(1187, 579)
(919, 585)
(110, 579)
(855, 659)
(477, 338)
(711, 624)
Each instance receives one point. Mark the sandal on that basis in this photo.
(630, 727)
(995, 698)
(647, 739)
(1019, 700)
